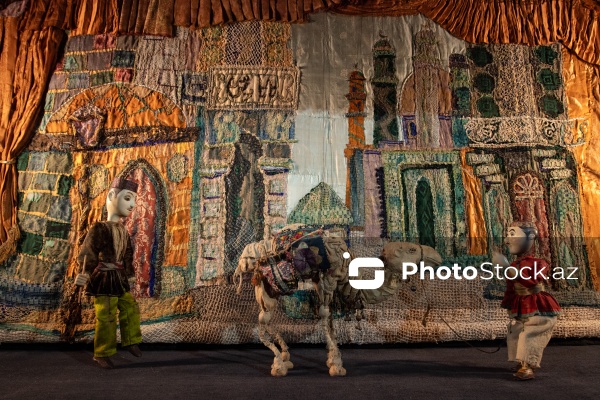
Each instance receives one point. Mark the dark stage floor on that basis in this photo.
(570, 370)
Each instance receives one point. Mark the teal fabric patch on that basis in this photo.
(101, 78)
(123, 59)
(24, 180)
(64, 184)
(79, 81)
(550, 80)
(30, 243)
(45, 120)
(480, 56)
(45, 182)
(57, 230)
(459, 133)
(300, 304)
(551, 106)
(56, 249)
(59, 163)
(546, 54)
(73, 62)
(32, 223)
(60, 209)
(37, 161)
(22, 161)
(36, 202)
(484, 83)
(49, 103)
(487, 107)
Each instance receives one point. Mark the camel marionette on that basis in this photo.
(279, 263)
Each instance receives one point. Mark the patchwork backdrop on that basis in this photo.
(387, 127)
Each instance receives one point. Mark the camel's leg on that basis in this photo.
(267, 305)
(285, 351)
(334, 357)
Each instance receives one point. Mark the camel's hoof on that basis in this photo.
(288, 364)
(281, 371)
(279, 367)
(333, 360)
(336, 370)
(285, 356)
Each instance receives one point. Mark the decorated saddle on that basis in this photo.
(298, 255)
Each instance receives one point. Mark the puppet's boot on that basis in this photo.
(524, 373)
(104, 362)
(134, 349)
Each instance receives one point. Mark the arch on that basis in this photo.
(529, 204)
(425, 213)
(146, 226)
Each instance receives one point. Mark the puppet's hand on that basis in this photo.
(82, 279)
(500, 259)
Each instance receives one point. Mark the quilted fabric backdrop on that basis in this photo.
(388, 128)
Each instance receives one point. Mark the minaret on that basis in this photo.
(384, 91)
(356, 143)
(426, 64)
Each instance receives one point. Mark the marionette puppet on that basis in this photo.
(107, 259)
(532, 310)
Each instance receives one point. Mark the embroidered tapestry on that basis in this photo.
(381, 128)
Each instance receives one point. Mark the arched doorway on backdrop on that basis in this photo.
(146, 226)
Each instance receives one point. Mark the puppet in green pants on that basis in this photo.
(106, 255)
(105, 339)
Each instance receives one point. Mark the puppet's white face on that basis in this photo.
(517, 241)
(122, 204)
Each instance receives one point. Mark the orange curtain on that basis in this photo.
(27, 59)
(159, 17)
(202, 13)
(477, 233)
(582, 82)
(96, 16)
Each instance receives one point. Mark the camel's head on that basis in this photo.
(251, 253)
(396, 253)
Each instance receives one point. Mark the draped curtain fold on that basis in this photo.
(27, 59)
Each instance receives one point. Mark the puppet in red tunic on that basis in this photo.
(532, 310)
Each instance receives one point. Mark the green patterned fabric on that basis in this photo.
(30, 243)
(322, 206)
(426, 220)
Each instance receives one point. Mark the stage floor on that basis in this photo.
(403, 372)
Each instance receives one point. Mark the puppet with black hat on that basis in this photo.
(108, 258)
